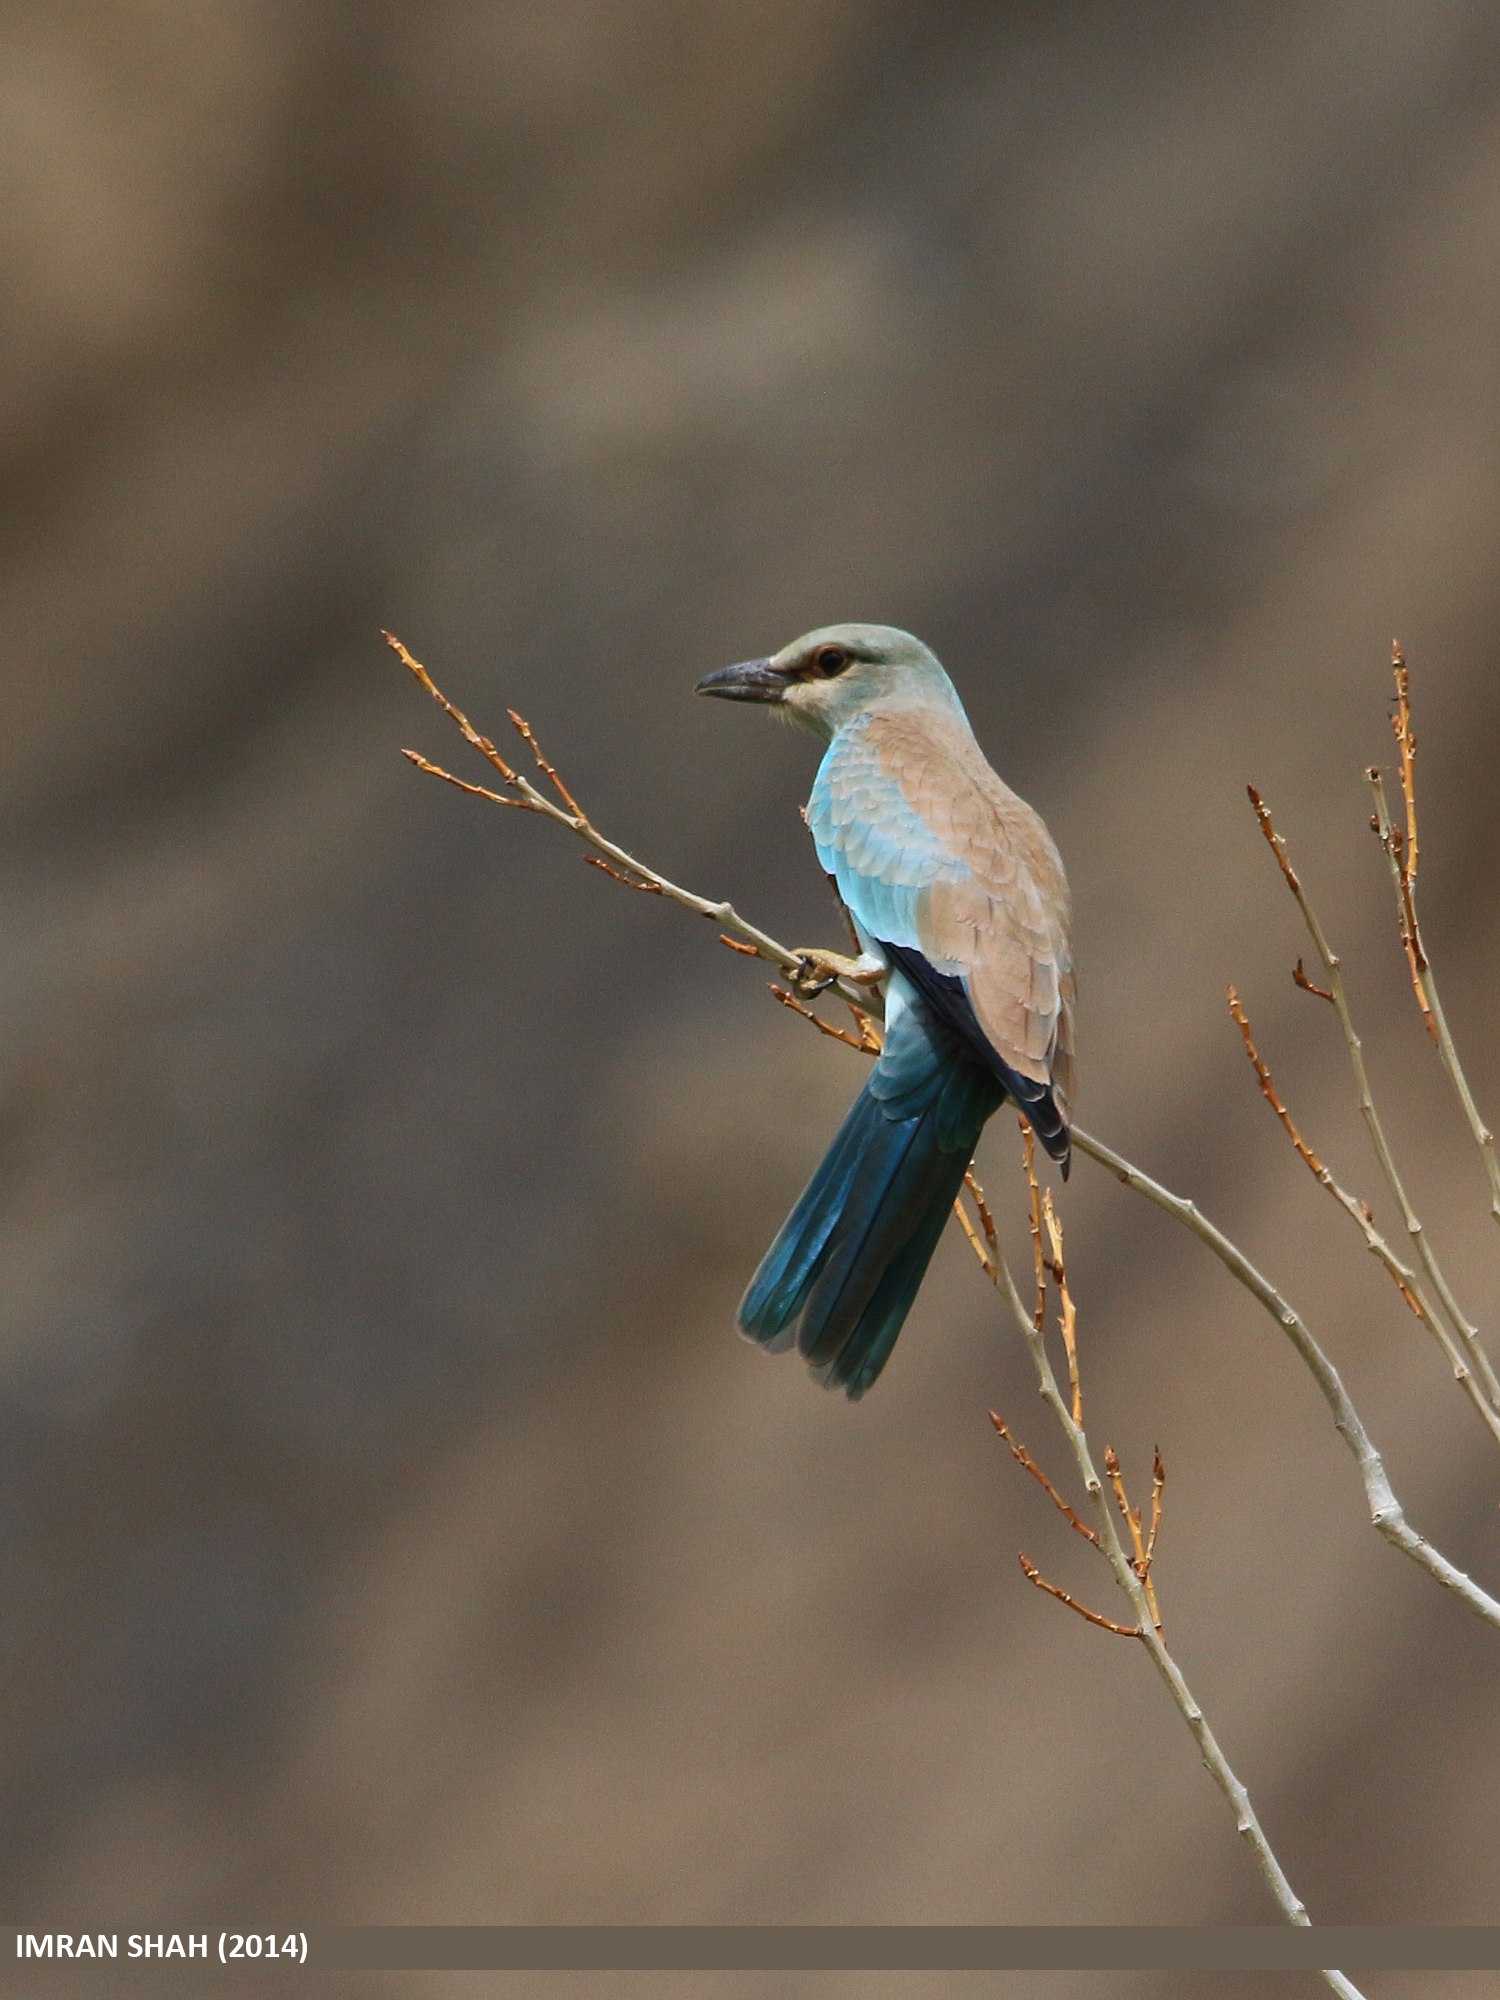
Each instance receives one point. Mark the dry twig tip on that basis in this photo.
(1034, 1575)
(1024, 1458)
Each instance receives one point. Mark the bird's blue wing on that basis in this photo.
(886, 861)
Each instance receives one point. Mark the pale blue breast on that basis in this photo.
(878, 848)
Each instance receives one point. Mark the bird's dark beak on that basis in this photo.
(751, 680)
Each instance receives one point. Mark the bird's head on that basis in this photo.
(830, 677)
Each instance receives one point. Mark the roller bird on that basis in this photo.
(957, 896)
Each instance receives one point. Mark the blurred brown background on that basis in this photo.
(393, 1529)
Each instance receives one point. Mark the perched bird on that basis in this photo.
(958, 899)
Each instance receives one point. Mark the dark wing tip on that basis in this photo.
(949, 1000)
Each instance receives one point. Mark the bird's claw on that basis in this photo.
(809, 980)
(817, 970)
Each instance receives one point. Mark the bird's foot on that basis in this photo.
(818, 970)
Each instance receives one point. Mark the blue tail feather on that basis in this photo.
(857, 1366)
(842, 1274)
(769, 1309)
(884, 1203)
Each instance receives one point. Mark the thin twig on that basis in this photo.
(866, 1041)
(982, 1238)
(528, 736)
(1402, 847)
(1158, 1485)
(1402, 857)
(1459, 1337)
(986, 1220)
(1034, 1575)
(482, 744)
(629, 881)
(475, 791)
(1401, 1275)
(975, 1240)
(1394, 843)
(1268, 1089)
(1300, 978)
(1406, 743)
(1135, 1592)
(1386, 1511)
(724, 915)
(1132, 1518)
(1034, 1195)
(1023, 1457)
(1147, 1627)
(1067, 1317)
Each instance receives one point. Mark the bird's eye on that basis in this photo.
(830, 660)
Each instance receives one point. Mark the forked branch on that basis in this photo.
(1132, 1575)
(1456, 1332)
(1033, 1575)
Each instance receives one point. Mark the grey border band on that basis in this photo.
(907, 1948)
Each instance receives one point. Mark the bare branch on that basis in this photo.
(1034, 1193)
(1141, 1563)
(1268, 1089)
(723, 914)
(528, 736)
(1402, 856)
(866, 1041)
(1300, 978)
(986, 1220)
(1406, 743)
(1067, 1317)
(629, 882)
(1386, 1512)
(1404, 1279)
(1131, 1516)
(1459, 1337)
(476, 791)
(1034, 1575)
(1158, 1486)
(482, 744)
(1023, 1457)
(1142, 1602)
(975, 1240)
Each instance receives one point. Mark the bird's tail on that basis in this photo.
(840, 1278)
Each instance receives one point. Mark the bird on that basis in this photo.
(958, 899)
